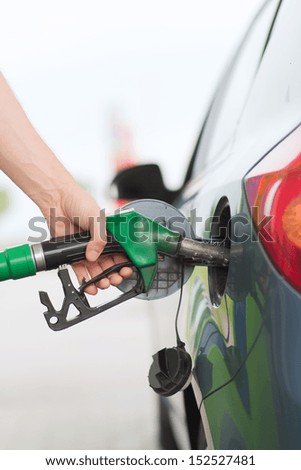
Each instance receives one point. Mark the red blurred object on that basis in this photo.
(121, 202)
(123, 154)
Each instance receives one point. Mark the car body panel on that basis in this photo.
(246, 351)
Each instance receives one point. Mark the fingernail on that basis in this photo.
(92, 255)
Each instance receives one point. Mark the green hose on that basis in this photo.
(17, 262)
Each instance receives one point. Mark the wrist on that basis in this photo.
(53, 193)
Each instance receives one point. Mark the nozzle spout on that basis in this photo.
(204, 253)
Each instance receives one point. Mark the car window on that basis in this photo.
(233, 91)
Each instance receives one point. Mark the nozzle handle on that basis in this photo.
(72, 248)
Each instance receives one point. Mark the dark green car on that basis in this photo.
(242, 324)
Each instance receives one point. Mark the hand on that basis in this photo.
(31, 164)
(74, 211)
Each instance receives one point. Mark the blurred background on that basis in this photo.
(107, 85)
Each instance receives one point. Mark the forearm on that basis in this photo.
(25, 157)
(30, 163)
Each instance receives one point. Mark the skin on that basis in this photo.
(31, 165)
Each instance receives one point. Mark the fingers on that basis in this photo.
(90, 270)
(81, 272)
(107, 262)
(95, 270)
(97, 227)
(125, 273)
(117, 278)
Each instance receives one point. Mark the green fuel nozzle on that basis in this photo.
(139, 237)
(153, 249)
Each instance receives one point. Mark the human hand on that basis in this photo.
(75, 210)
(31, 164)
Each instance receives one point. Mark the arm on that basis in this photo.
(30, 163)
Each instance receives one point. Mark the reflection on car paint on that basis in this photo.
(229, 359)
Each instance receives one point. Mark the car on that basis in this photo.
(241, 323)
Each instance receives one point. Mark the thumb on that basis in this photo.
(97, 227)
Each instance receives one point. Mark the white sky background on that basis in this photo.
(155, 62)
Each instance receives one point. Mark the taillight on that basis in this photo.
(273, 191)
